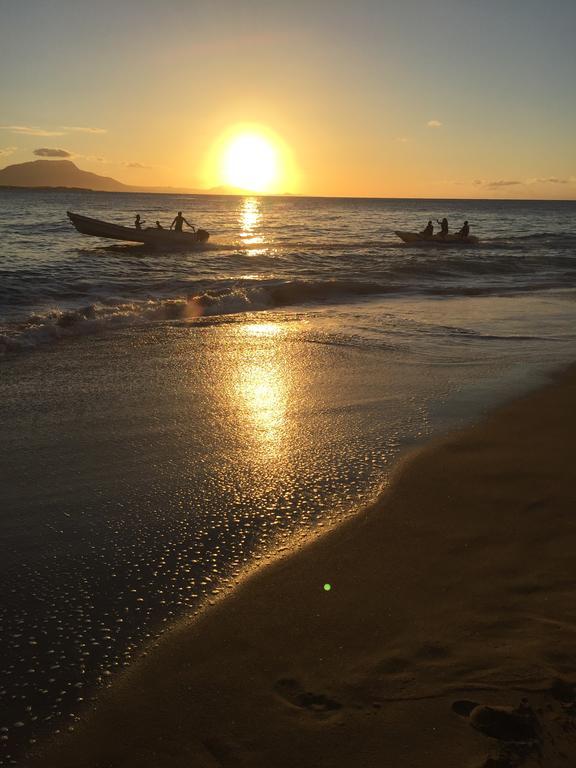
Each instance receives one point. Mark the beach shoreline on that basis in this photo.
(456, 585)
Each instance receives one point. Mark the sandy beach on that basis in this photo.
(457, 586)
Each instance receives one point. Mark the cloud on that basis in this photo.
(29, 130)
(549, 180)
(26, 130)
(503, 183)
(525, 183)
(402, 139)
(46, 152)
(135, 165)
(5, 151)
(433, 123)
(83, 129)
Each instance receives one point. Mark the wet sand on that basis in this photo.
(458, 585)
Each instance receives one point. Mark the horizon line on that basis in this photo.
(207, 193)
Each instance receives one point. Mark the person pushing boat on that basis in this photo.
(154, 236)
(179, 222)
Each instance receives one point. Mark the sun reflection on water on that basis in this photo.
(262, 387)
(263, 329)
(250, 218)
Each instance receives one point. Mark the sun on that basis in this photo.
(252, 158)
(250, 161)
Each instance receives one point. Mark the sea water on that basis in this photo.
(169, 419)
(264, 253)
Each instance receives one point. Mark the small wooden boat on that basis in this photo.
(417, 238)
(157, 238)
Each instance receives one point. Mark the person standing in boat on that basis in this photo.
(465, 230)
(428, 230)
(179, 221)
(138, 222)
(443, 227)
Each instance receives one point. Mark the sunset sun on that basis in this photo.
(251, 157)
(250, 161)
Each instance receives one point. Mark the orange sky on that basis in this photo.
(420, 98)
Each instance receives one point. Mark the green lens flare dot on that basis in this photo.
(327, 587)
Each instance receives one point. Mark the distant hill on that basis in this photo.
(64, 174)
(57, 173)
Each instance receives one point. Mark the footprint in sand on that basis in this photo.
(516, 730)
(291, 691)
(503, 723)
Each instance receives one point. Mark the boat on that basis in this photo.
(417, 238)
(157, 238)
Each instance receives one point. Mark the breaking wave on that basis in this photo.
(43, 328)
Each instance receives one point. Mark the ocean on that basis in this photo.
(171, 420)
(265, 253)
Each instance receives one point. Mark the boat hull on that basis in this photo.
(416, 238)
(157, 238)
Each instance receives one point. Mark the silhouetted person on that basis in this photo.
(428, 230)
(443, 227)
(465, 230)
(138, 222)
(158, 225)
(179, 221)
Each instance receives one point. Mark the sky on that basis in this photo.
(379, 98)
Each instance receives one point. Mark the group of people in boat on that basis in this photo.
(177, 224)
(428, 230)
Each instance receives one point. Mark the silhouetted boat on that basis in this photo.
(417, 238)
(157, 238)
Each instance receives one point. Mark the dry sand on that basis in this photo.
(458, 585)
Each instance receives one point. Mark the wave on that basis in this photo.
(55, 324)
(388, 242)
(48, 294)
(445, 277)
(568, 238)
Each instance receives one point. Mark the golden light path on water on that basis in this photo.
(261, 388)
(250, 217)
(260, 377)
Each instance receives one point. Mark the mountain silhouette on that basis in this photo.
(57, 173)
(64, 173)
